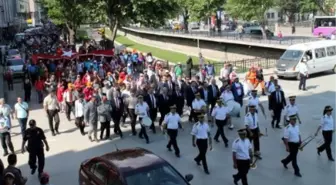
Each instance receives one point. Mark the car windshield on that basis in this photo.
(13, 52)
(293, 55)
(17, 62)
(161, 174)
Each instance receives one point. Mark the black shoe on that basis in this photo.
(298, 174)
(235, 180)
(5, 153)
(207, 172)
(318, 152)
(272, 125)
(197, 162)
(90, 138)
(331, 159)
(277, 126)
(141, 137)
(216, 140)
(177, 155)
(284, 165)
(305, 90)
(169, 149)
(147, 142)
(226, 145)
(53, 134)
(57, 132)
(33, 171)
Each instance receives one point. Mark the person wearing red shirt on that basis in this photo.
(86, 78)
(39, 86)
(78, 83)
(88, 92)
(59, 94)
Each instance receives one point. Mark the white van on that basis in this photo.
(321, 56)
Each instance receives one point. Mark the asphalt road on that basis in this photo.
(69, 149)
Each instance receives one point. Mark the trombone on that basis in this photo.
(263, 134)
(305, 142)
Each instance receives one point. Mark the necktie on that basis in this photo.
(253, 118)
(70, 96)
(278, 95)
(117, 103)
(153, 101)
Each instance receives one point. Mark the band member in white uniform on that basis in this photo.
(254, 100)
(292, 139)
(252, 128)
(172, 122)
(227, 96)
(198, 106)
(241, 156)
(201, 138)
(327, 126)
(220, 115)
(291, 109)
(141, 109)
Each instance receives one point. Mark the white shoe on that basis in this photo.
(231, 126)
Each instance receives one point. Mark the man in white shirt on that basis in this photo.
(70, 98)
(52, 108)
(220, 115)
(241, 155)
(303, 70)
(292, 139)
(253, 131)
(21, 110)
(5, 135)
(291, 109)
(79, 113)
(201, 137)
(141, 109)
(198, 106)
(172, 122)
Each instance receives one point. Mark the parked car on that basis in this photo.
(13, 53)
(135, 166)
(16, 65)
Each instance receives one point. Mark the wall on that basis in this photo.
(215, 50)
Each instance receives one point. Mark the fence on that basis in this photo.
(229, 36)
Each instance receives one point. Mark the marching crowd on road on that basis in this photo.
(98, 92)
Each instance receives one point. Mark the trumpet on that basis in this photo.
(305, 142)
(253, 165)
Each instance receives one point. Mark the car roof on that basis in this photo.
(131, 159)
(312, 45)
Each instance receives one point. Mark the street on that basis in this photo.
(69, 149)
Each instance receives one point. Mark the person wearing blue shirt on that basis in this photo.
(5, 136)
(87, 64)
(52, 67)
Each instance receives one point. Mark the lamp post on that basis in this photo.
(2, 20)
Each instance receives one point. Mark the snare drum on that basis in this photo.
(146, 121)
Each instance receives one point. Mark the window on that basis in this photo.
(320, 53)
(162, 174)
(272, 15)
(268, 15)
(292, 55)
(113, 179)
(331, 51)
(99, 170)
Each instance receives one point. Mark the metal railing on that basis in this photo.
(290, 40)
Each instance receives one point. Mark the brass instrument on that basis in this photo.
(262, 134)
(253, 165)
(306, 142)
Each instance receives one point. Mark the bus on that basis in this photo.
(324, 26)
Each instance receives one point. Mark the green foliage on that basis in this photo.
(325, 6)
(289, 7)
(249, 9)
(205, 8)
(150, 13)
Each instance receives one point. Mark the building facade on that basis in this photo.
(19, 13)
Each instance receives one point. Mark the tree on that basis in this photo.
(150, 13)
(184, 7)
(67, 13)
(250, 10)
(289, 8)
(325, 6)
(205, 8)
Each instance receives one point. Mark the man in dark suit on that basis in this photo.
(190, 96)
(276, 103)
(178, 99)
(117, 112)
(237, 90)
(152, 102)
(164, 102)
(213, 94)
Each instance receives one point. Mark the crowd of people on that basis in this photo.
(99, 91)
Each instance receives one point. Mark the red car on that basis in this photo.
(136, 166)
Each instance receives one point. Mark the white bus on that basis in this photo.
(321, 56)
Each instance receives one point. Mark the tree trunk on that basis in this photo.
(186, 21)
(71, 33)
(114, 29)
